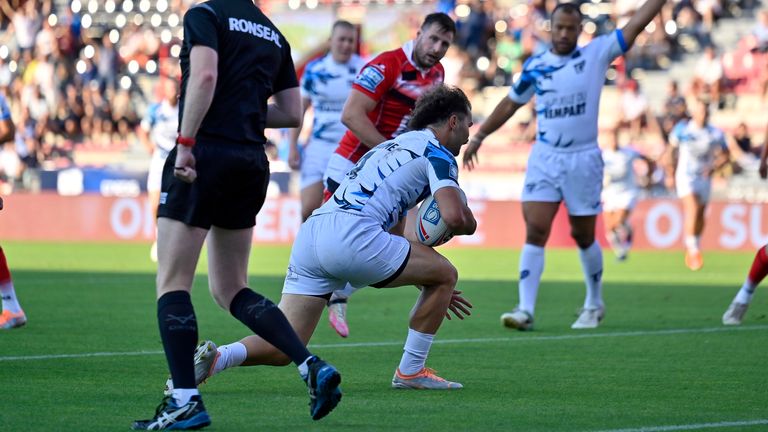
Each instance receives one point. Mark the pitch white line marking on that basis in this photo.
(725, 424)
(520, 338)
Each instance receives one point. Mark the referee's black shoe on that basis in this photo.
(168, 415)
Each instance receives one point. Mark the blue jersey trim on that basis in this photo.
(622, 42)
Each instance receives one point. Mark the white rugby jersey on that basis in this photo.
(395, 176)
(567, 90)
(327, 84)
(619, 169)
(696, 146)
(162, 123)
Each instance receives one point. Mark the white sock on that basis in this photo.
(343, 294)
(230, 355)
(692, 243)
(304, 367)
(531, 268)
(415, 352)
(744, 296)
(182, 396)
(10, 302)
(592, 266)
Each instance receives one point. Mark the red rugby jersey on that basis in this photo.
(394, 82)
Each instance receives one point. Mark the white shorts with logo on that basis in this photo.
(573, 177)
(338, 167)
(335, 248)
(315, 160)
(155, 176)
(619, 199)
(687, 185)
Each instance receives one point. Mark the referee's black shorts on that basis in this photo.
(230, 188)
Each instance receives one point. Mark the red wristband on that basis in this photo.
(185, 141)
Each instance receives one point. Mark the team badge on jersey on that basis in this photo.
(370, 78)
(453, 172)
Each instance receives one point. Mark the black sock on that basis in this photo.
(265, 319)
(178, 331)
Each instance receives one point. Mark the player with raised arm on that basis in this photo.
(348, 240)
(565, 164)
(158, 132)
(325, 86)
(620, 192)
(379, 108)
(696, 150)
(734, 315)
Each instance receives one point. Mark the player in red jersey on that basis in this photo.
(757, 272)
(379, 108)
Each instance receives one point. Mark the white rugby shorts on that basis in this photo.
(314, 161)
(332, 249)
(687, 185)
(155, 176)
(338, 167)
(573, 177)
(623, 199)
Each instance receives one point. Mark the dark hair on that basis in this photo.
(342, 23)
(437, 105)
(443, 21)
(567, 8)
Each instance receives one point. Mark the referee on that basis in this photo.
(214, 183)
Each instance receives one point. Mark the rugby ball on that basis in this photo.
(431, 230)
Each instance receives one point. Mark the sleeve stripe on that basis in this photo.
(622, 42)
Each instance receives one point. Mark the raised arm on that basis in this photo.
(355, 118)
(504, 110)
(640, 19)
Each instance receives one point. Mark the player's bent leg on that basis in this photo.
(311, 199)
(437, 278)
(303, 312)
(179, 248)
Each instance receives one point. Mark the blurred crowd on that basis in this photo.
(79, 74)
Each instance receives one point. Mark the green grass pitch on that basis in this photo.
(660, 360)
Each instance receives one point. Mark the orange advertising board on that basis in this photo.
(658, 223)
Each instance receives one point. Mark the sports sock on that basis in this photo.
(182, 395)
(692, 243)
(10, 302)
(757, 273)
(531, 267)
(415, 352)
(592, 266)
(343, 294)
(178, 331)
(265, 319)
(230, 355)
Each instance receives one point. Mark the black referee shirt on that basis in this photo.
(254, 63)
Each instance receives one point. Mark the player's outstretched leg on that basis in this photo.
(13, 316)
(735, 313)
